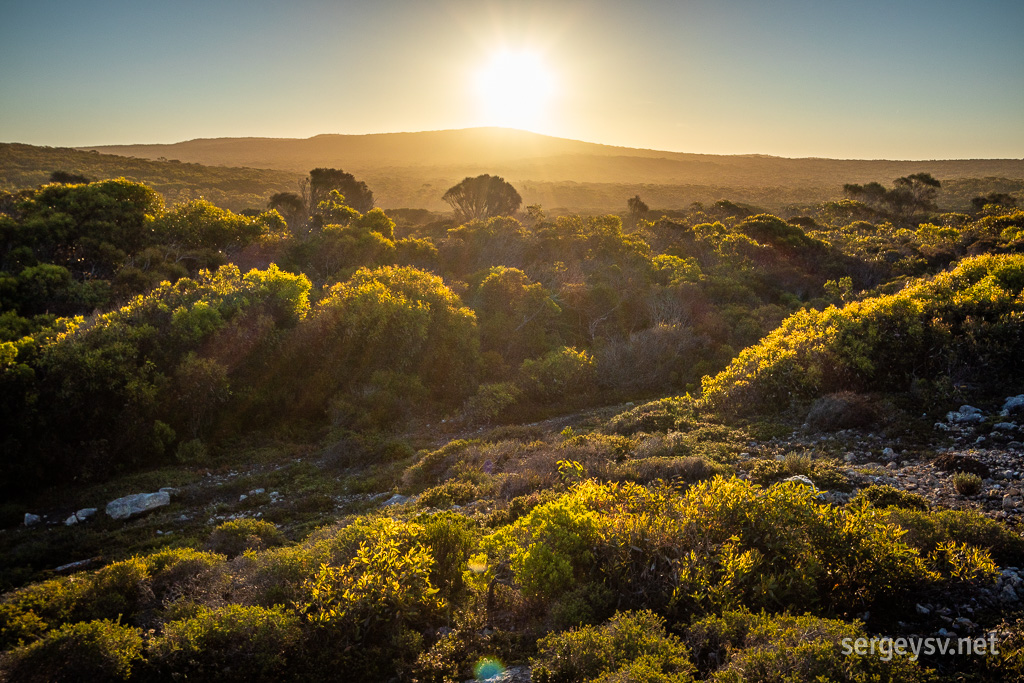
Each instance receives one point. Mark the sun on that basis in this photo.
(515, 89)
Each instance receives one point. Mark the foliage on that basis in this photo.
(742, 646)
(230, 643)
(236, 536)
(884, 496)
(87, 652)
(971, 313)
(631, 646)
(966, 483)
(482, 197)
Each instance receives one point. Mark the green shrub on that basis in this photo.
(451, 539)
(884, 496)
(925, 531)
(450, 493)
(236, 536)
(631, 646)
(762, 648)
(966, 483)
(557, 375)
(963, 320)
(230, 643)
(192, 452)
(97, 651)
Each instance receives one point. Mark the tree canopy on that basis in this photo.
(484, 196)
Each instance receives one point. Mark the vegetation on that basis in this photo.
(463, 372)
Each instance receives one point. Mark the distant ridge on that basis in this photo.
(521, 155)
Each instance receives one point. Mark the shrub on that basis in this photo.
(884, 496)
(631, 646)
(84, 652)
(230, 643)
(740, 646)
(966, 483)
(192, 452)
(958, 321)
(447, 494)
(236, 536)
(558, 375)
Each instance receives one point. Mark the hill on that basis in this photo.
(413, 169)
(233, 188)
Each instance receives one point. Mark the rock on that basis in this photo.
(1008, 594)
(1008, 502)
(966, 415)
(844, 410)
(137, 504)
(1014, 404)
(86, 514)
(256, 492)
(242, 497)
(169, 490)
(396, 499)
(71, 521)
(921, 609)
(32, 520)
(801, 479)
(1005, 426)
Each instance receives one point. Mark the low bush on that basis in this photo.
(230, 643)
(966, 483)
(236, 536)
(87, 652)
(884, 496)
(631, 646)
(739, 646)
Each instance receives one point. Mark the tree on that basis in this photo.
(292, 208)
(637, 210)
(323, 180)
(68, 178)
(483, 197)
(997, 198)
(910, 194)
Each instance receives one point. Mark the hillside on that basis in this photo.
(229, 187)
(414, 169)
(572, 448)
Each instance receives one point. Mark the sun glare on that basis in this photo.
(515, 90)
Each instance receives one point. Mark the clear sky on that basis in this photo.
(898, 79)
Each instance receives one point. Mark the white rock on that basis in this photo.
(137, 504)
(256, 492)
(1013, 404)
(32, 520)
(965, 415)
(396, 499)
(71, 521)
(242, 497)
(921, 609)
(86, 514)
(1005, 426)
(801, 479)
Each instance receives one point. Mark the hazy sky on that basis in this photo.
(902, 79)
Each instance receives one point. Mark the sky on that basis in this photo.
(893, 79)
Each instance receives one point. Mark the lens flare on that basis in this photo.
(488, 668)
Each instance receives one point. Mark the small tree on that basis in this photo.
(483, 197)
(323, 180)
(637, 210)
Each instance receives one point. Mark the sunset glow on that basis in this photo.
(515, 89)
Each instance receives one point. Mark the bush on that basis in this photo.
(884, 496)
(450, 493)
(236, 536)
(192, 452)
(739, 646)
(632, 646)
(966, 483)
(82, 653)
(231, 643)
(558, 375)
